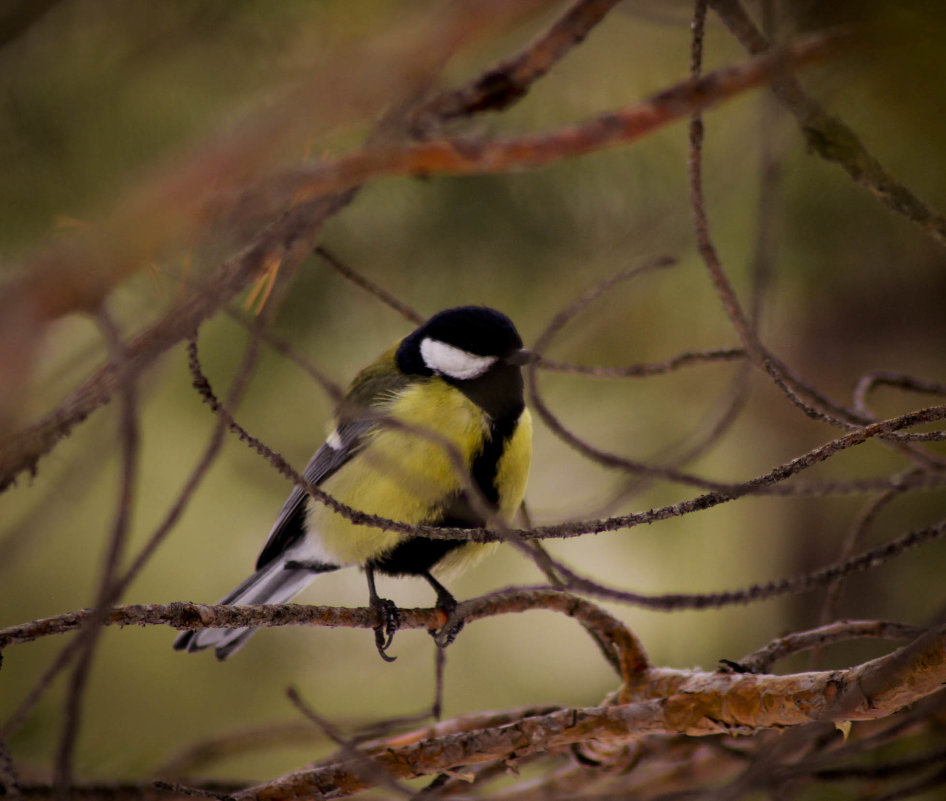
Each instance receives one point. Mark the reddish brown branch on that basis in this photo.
(660, 701)
(478, 157)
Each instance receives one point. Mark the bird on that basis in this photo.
(435, 431)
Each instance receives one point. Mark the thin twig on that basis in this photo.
(235, 743)
(869, 381)
(504, 533)
(687, 359)
(757, 592)
(761, 661)
(363, 766)
(851, 543)
(369, 286)
(282, 346)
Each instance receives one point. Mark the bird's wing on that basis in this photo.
(372, 387)
(289, 527)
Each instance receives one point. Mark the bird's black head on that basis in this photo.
(476, 349)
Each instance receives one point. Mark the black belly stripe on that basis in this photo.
(414, 557)
(418, 555)
(486, 463)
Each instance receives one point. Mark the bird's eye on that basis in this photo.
(454, 362)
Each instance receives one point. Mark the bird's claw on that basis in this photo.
(389, 620)
(446, 634)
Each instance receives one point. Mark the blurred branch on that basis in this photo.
(208, 189)
(130, 791)
(509, 81)
(851, 543)
(23, 450)
(199, 755)
(115, 588)
(370, 287)
(467, 156)
(20, 16)
(129, 436)
(287, 239)
(319, 193)
(172, 205)
(828, 136)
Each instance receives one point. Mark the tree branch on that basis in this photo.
(660, 702)
(198, 616)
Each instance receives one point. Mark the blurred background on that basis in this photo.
(95, 93)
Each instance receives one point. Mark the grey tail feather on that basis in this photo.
(274, 583)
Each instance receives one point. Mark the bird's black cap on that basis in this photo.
(474, 329)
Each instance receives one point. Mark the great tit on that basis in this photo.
(453, 387)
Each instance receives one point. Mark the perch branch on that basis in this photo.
(197, 616)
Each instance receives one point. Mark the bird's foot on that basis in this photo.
(389, 620)
(446, 632)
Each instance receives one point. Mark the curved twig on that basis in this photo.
(761, 661)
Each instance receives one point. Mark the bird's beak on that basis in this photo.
(521, 356)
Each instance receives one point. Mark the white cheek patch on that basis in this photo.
(454, 362)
